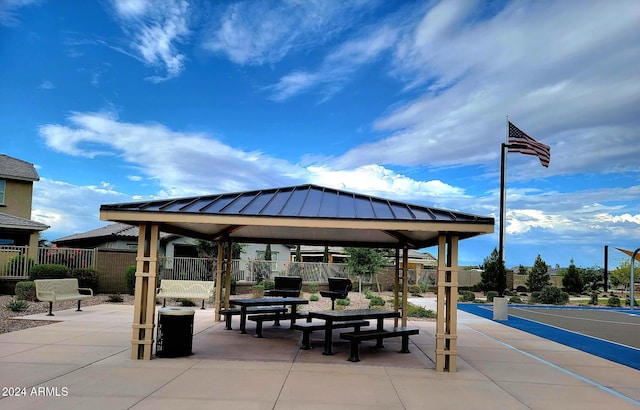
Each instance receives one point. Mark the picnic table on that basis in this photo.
(343, 315)
(270, 301)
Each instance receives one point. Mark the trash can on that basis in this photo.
(175, 331)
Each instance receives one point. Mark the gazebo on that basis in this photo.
(304, 214)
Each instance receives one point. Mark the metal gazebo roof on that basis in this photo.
(305, 214)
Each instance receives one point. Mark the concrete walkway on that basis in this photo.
(83, 362)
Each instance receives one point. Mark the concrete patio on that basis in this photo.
(83, 362)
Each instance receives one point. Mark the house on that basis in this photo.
(16, 195)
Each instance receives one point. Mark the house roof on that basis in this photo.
(111, 231)
(13, 168)
(305, 214)
(15, 222)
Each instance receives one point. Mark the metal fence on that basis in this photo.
(15, 261)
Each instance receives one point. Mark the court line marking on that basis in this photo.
(562, 369)
(535, 311)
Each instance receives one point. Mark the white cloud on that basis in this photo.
(157, 29)
(47, 85)
(9, 15)
(264, 32)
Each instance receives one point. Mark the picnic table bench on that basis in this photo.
(58, 290)
(187, 289)
(276, 317)
(308, 327)
(229, 313)
(356, 337)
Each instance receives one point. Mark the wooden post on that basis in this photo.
(447, 308)
(405, 282)
(145, 292)
(218, 301)
(228, 274)
(396, 288)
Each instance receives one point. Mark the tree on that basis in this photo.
(209, 249)
(538, 277)
(622, 274)
(572, 281)
(325, 257)
(592, 276)
(522, 270)
(493, 277)
(364, 261)
(267, 252)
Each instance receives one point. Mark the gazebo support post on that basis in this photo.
(145, 292)
(405, 283)
(218, 301)
(447, 314)
(396, 288)
(227, 285)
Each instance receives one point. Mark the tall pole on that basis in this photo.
(502, 278)
(632, 302)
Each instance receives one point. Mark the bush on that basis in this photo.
(343, 302)
(186, 302)
(116, 298)
(515, 299)
(491, 294)
(553, 295)
(17, 305)
(628, 302)
(376, 301)
(468, 296)
(521, 289)
(16, 264)
(419, 311)
(415, 290)
(268, 284)
(594, 298)
(613, 301)
(535, 297)
(26, 290)
(314, 298)
(87, 278)
(48, 271)
(312, 287)
(368, 294)
(257, 291)
(130, 278)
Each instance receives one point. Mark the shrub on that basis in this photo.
(628, 302)
(415, 290)
(115, 298)
(268, 284)
(368, 294)
(257, 291)
(312, 287)
(376, 301)
(468, 296)
(521, 289)
(17, 305)
(26, 290)
(419, 311)
(87, 278)
(186, 302)
(613, 301)
(553, 295)
(515, 299)
(343, 302)
(48, 271)
(130, 278)
(491, 294)
(314, 298)
(594, 298)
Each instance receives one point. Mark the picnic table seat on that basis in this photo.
(356, 337)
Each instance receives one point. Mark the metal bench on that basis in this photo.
(267, 317)
(308, 327)
(356, 337)
(338, 289)
(286, 287)
(58, 290)
(187, 289)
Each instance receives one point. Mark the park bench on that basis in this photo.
(59, 290)
(356, 337)
(275, 317)
(285, 286)
(185, 289)
(338, 289)
(308, 327)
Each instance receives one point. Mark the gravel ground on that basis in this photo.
(7, 324)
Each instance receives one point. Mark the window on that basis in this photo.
(3, 184)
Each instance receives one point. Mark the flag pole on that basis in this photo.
(502, 280)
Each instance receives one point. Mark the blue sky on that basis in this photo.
(116, 101)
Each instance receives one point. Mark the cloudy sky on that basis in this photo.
(116, 101)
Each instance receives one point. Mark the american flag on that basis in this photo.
(531, 146)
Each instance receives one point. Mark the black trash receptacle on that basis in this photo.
(175, 332)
